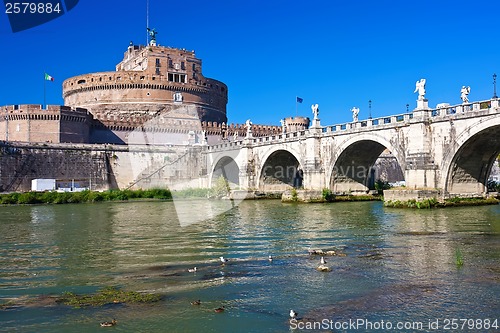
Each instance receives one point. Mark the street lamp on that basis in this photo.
(407, 106)
(495, 86)
(370, 109)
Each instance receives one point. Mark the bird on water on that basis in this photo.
(109, 323)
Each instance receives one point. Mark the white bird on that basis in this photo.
(323, 261)
(192, 270)
(270, 258)
(293, 314)
(223, 260)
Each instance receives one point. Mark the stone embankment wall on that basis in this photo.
(102, 167)
(19, 164)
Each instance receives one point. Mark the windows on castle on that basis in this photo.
(177, 77)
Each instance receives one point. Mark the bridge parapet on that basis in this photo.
(451, 110)
(278, 138)
(444, 111)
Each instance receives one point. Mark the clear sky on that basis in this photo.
(338, 54)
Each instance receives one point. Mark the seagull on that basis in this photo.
(223, 260)
(192, 270)
(323, 261)
(293, 314)
(198, 302)
(270, 258)
(108, 323)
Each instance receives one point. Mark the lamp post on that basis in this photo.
(370, 109)
(495, 86)
(407, 106)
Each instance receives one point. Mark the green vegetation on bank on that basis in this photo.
(54, 197)
(328, 196)
(434, 203)
(219, 190)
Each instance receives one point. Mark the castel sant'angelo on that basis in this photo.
(155, 89)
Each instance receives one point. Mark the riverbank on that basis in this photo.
(53, 197)
(434, 203)
(291, 196)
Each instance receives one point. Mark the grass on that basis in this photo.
(459, 259)
(434, 203)
(105, 296)
(81, 197)
(52, 197)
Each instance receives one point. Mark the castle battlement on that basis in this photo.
(55, 123)
(37, 109)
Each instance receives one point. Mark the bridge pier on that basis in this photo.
(247, 166)
(314, 176)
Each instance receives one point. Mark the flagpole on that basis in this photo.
(44, 90)
(296, 106)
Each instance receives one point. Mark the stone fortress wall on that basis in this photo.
(56, 123)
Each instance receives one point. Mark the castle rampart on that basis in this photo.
(55, 123)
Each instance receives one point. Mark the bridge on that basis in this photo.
(450, 149)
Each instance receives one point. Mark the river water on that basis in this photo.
(393, 267)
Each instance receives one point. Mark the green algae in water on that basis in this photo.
(107, 295)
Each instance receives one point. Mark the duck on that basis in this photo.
(293, 314)
(192, 270)
(315, 251)
(223, 260)
(323, 268)
(323, 261)
(109, 323)
(198, 302)
(219, 310)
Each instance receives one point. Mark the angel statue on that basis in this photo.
(420, 87)
(464, 94)
(152, 33)
(315, 110)
(248, 125)
(283, 125)
(355, 112)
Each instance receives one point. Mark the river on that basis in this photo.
(393, 266)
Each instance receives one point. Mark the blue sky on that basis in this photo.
(338, 54)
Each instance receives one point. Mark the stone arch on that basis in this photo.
(226, 164)
(227, 167)
(351, 168)
(281, 169)
(466, 167)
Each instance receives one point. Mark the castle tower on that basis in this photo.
(295, 124)
(149, 81)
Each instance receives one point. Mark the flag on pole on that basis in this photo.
(48, 77)
(299, 100)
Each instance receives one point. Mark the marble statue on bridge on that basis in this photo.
(315, 110)
(420, 87)
(355, 113)
(248, 125)
(283, 126)
(464, 94)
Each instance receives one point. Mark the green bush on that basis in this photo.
(28, 198)
(328, 195)
(95, 197)
(381, 185)
(220, 188)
